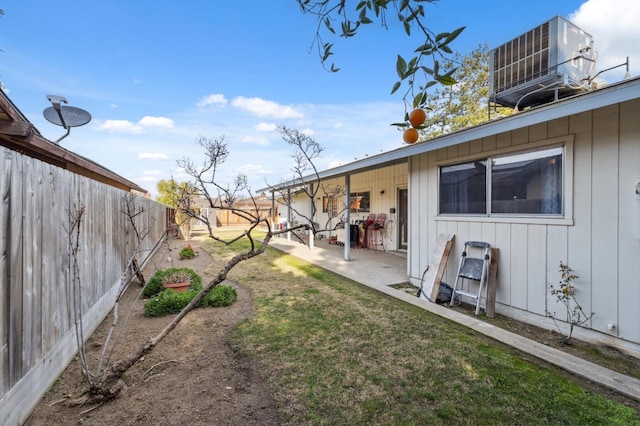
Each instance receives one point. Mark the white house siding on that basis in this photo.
(599, 238)
(387, 179)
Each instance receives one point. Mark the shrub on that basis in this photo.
(187, 253)
(566, 295)
(154, 285)
(221, 295)
(167, 301)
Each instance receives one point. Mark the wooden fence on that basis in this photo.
(37, 337)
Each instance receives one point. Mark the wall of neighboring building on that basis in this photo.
(598, 236)
(37, 337)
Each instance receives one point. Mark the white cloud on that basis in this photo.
(254, 170)
(148, 178)
(126, 126)
(153, 156)
(161, 122)
(308, 132)
(215, 100)
(266, 127)
(256, 140)
(615, 30)
(264, 108)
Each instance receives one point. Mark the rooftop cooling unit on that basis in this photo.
(547, 63)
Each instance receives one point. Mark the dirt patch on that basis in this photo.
(192, 377)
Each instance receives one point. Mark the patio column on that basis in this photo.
(312, 211)
(274, 216)
(288, 215)
(347, 229)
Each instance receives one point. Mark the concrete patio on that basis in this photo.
(379, 270)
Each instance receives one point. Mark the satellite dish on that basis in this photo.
(72, 116)
(65, 116)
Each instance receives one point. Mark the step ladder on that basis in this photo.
(475, 269)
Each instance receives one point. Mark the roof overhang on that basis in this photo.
(615, 93)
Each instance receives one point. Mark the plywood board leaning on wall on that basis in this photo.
(430, 285)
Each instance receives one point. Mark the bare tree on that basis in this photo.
(136, 228)
(106, 382)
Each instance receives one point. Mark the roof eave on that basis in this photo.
(615, 93)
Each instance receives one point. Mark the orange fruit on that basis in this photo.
(410, 135)
(417, 117)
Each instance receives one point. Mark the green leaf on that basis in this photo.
(407, 28)
(452, 36)
(396, 86)
(399, 124)
(327, 51)
(426, 49)
(327, 23)
(420, 99)
(429, 84)
(334, 69)
(447, 80)
(427, 70)
(446, 49)
(401, 67)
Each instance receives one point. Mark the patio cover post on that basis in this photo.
(288, 215)
(313, 212)
(274, 219)
(347, 229)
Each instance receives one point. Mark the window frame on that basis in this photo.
(354, 194)
(566, 218)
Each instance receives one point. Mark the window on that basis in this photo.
(359, 202)
(528, 183)
(330, 206)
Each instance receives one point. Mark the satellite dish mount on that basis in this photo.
(64, 116)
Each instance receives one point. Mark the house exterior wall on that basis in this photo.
(599, 236)
(388, 179)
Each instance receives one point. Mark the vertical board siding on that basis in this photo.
(579, 242)
(35, 308)
(598, 241)
(629, 223)
(604, 225)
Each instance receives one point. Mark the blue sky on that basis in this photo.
(156, 75)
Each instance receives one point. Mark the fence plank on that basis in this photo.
(5, 226)
(15, 271)
(32, 265)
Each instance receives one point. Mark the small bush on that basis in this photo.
(154, 285)
(169, 302)
(222, 295)
(187, 253)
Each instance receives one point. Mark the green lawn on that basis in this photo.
(337, 353)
